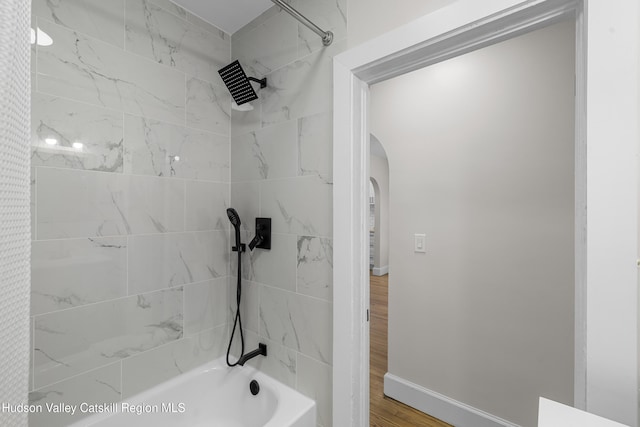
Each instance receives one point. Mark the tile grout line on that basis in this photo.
(76, 375)
(136, 115)
(115, 236)
(123, 297)
(165, 179)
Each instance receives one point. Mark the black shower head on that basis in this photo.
(238, 83)
(233, 217)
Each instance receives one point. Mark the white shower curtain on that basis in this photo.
(14, 209)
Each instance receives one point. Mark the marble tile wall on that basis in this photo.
(281, 167)
(130, 180)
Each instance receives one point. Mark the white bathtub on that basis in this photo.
(212, 395)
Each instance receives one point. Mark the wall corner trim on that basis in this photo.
(380, 271)
(438, 405)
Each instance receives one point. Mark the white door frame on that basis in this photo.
(607, 139)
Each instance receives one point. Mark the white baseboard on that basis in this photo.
(439, 406)
(381, 271)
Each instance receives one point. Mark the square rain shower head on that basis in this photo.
(239, 84)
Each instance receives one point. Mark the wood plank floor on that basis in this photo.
(384, 411)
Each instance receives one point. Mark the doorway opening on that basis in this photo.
(481, 151)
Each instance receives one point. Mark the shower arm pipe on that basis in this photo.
(327, 36)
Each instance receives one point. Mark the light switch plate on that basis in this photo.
(420, 243)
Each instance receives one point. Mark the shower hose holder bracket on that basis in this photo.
(243, 248)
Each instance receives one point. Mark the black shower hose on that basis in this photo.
(238, 318)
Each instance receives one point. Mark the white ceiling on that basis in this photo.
(228, 15)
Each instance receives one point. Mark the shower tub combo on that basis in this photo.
(223, 394)
(213, 395)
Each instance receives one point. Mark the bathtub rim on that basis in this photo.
(298, 410)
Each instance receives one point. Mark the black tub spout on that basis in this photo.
(261, 350)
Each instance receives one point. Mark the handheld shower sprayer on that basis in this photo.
(234, 218)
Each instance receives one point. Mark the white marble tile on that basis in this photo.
(275, 267)
(328, 15)
(99, 130)
(297, 321)
(157, 34)
(302, 88)
(245, 199)
(151, 148)
(98, 387)
(153, 367)
(300, 205)
(267, 153)
(247, 121)
(155, 205)
(70, 273)
(268, 46)
(170, 6)
(280, 362)
(160, 261)
(315, 146)
(208, 106)
(85, 69)
(315, 381)
(205, 305)
(76, 340)
(101, 19)
(206, 204)
(315, 267)
(73, 203)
